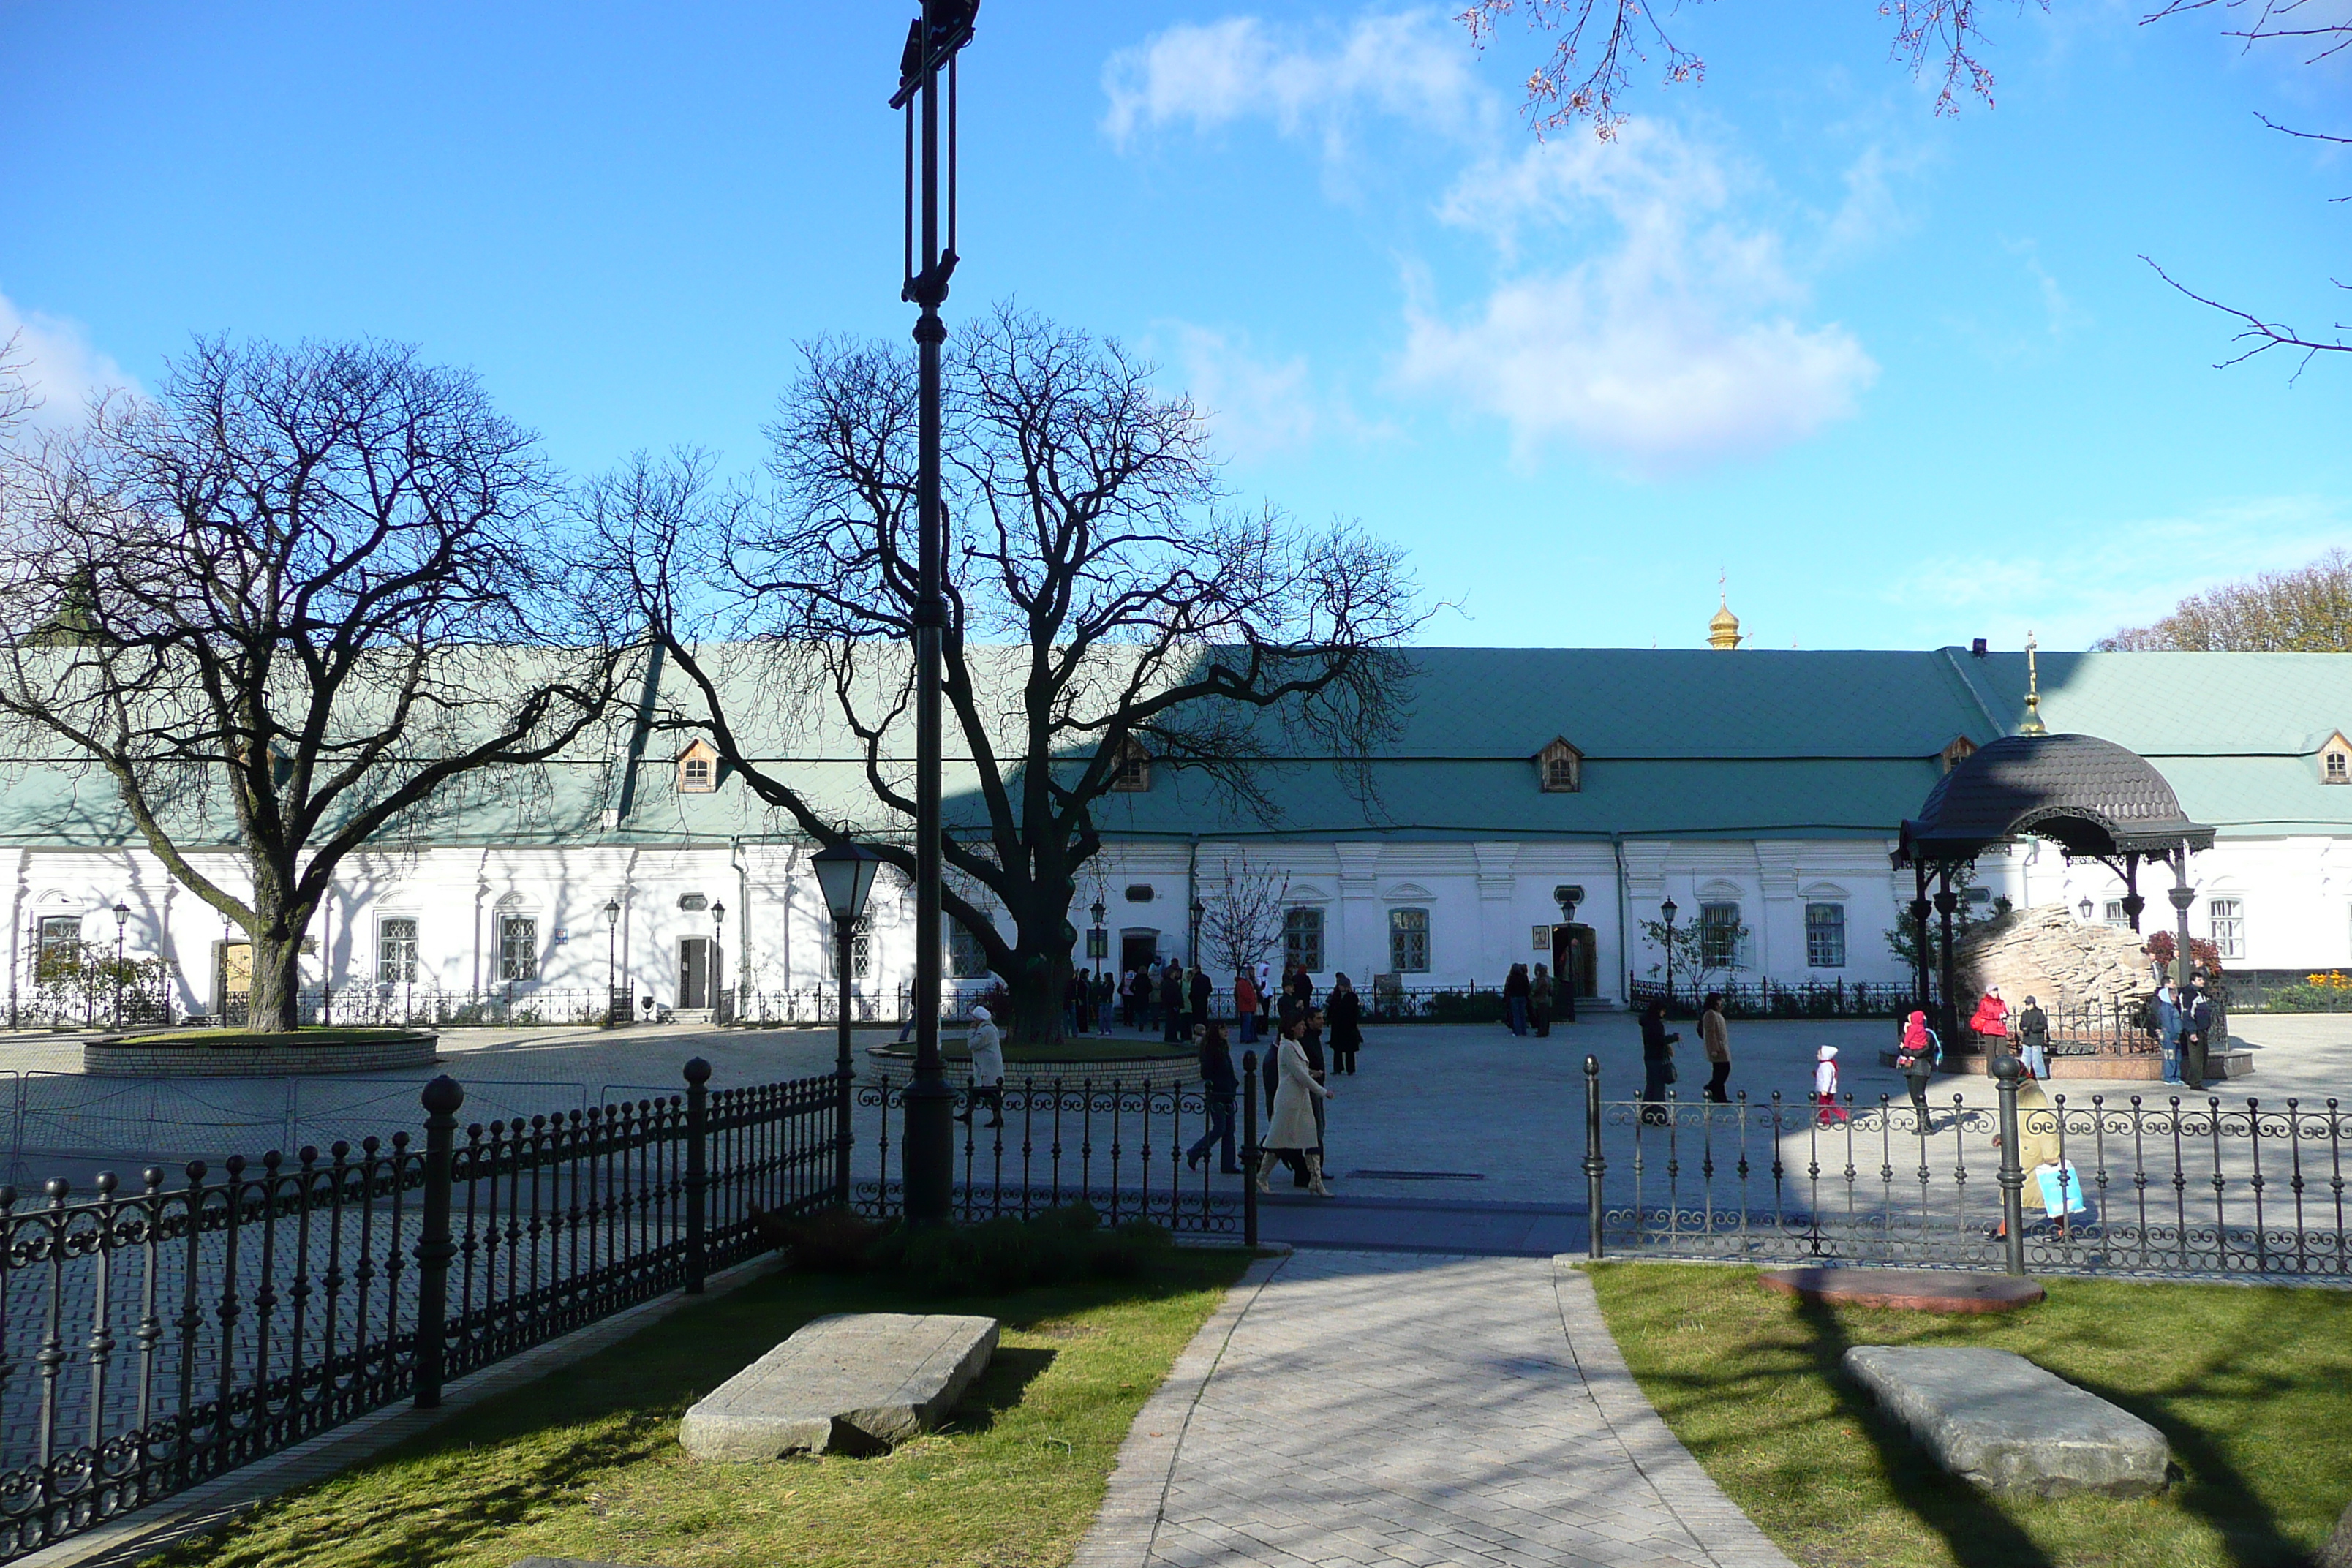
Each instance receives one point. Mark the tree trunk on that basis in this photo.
(274, 1005)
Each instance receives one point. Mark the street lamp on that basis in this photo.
(1666, 910)
(2085, 906)
(122, 919)
(844, 874)
(933, 41)
(717, 967)
(1199, 908)
(612, 970)
(1098, 940)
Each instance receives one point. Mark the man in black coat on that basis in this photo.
(1221, 1087)
(1199, 997)
(2196, 1030)
(1171, 1002)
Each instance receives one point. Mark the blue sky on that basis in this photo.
(1903, 379)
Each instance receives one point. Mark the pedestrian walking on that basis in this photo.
(1221, 1088)
(1246, 1004)
(1310, 1040)
(2196, 1033)
(2164, 1014)
(1291, 1129)
(1345, 1014)
(1263, 974)
(1105, 989)
(1514, 999)
(1171, 1002)
(987, 1047)
(2033, 1039)
(1657, 1060)
(1825, 1086)
(1714, 1037)
(1539, 1000)
(1917, 1058)
(1196, 998)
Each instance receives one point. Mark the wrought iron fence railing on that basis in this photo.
(1769, 998)
(2136, 1186)
(155, 1337)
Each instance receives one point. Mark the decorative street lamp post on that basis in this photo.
(1098, 939)
(1564, 982)
(718, 1013)
(933, 41)
(845, 873)
(1192, 952)
(612, 963)
(122, 919)
(1666, 911)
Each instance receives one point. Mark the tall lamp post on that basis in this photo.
(933, 40)
(844, 874)
(612, 957)
(122, 919)
(1565, 984)
(718, 959)
(1666, 912)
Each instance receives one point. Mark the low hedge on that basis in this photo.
(1057, 1245)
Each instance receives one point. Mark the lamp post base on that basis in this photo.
(928, 1151)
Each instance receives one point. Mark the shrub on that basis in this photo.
(2329, 992)
(1466, 1007)
(833, 1240)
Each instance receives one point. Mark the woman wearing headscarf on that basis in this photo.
(1292, 1127)
(987, 1047)
(1916, 1057)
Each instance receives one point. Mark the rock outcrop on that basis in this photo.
(2049, 952)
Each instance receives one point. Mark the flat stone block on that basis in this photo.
(855, 1382)
(1997, 1420)
(1918, 1289)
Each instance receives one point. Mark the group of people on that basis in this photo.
(1297, 1082)
(1658, 1042)
(2183, 1030)
(1527, 1001)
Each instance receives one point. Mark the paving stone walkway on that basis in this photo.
(1356, 1408)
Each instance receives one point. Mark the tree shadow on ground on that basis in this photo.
(998, 1389)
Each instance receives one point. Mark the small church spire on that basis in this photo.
(1723, 628)
(2032, 724)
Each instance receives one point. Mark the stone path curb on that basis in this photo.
(1729, 1537)
(1123, 1531)
(142, 1534)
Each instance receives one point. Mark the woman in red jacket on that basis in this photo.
(1991, 1018)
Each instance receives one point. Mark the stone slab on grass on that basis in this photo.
(855, 1382)
(1995, 1419)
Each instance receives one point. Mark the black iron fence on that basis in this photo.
(1118, 1143)
(1769, 998)
(153, 1338)
(2137, 1184)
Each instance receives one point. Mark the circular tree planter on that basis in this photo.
(238, 1053)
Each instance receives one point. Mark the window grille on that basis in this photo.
(861, 946)
(2338, 768)
(1719, 935)
(60, 945)
(1302, 938)
(1409, 942)
(2116, 915)
(967, 960)
(1825, 936)
(694, 775)
(395, 952)
(518, 947)
(2229, 918)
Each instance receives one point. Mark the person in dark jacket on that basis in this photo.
(2196, 1033)
(1197, 997)
(1171, 1002)
(1221, 1087)
(2033, 1039)
(1541, 994)
(1657, 1060)
(1310, 1040)
(1345, 1012)
(1514, 998)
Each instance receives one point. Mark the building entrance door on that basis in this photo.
(233, 981)
(1137, 949)
(695, 981)
(1575, 960)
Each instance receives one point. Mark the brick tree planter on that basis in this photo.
(2144, 1066)
(120, 1057)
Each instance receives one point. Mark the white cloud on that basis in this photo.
(1674, 347)
(2101, 577)
(1258, 406)
(1409, 65)
(58, 365)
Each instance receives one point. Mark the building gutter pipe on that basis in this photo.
(1624, 953)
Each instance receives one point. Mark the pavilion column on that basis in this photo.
(1919, 908)
(1945, 902)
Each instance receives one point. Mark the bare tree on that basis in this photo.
(287, 606)
(2304, 611)
(1111, 621)
(17, 398)
(1242, 926)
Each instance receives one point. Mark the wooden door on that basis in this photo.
(233, 981)
(694, 972)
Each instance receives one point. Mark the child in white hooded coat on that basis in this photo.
(1825, 1086)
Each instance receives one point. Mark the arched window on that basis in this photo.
(698, 769)
(517, 937)
(1409, 942)
(395, 950)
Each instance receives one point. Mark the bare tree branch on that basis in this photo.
(2264, 335)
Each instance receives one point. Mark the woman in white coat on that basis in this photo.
(1292, 1126)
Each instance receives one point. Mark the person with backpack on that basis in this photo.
(1916, 1057)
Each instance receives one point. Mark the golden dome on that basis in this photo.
(1723, 628)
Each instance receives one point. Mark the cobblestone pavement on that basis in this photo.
(1350, 1409)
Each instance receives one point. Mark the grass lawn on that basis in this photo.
(2252, 1387)
(585, 1463)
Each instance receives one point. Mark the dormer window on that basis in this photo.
(1133, 772)
(698, 769)
(2335, 760)
(1959, 750)
(1559, 768)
